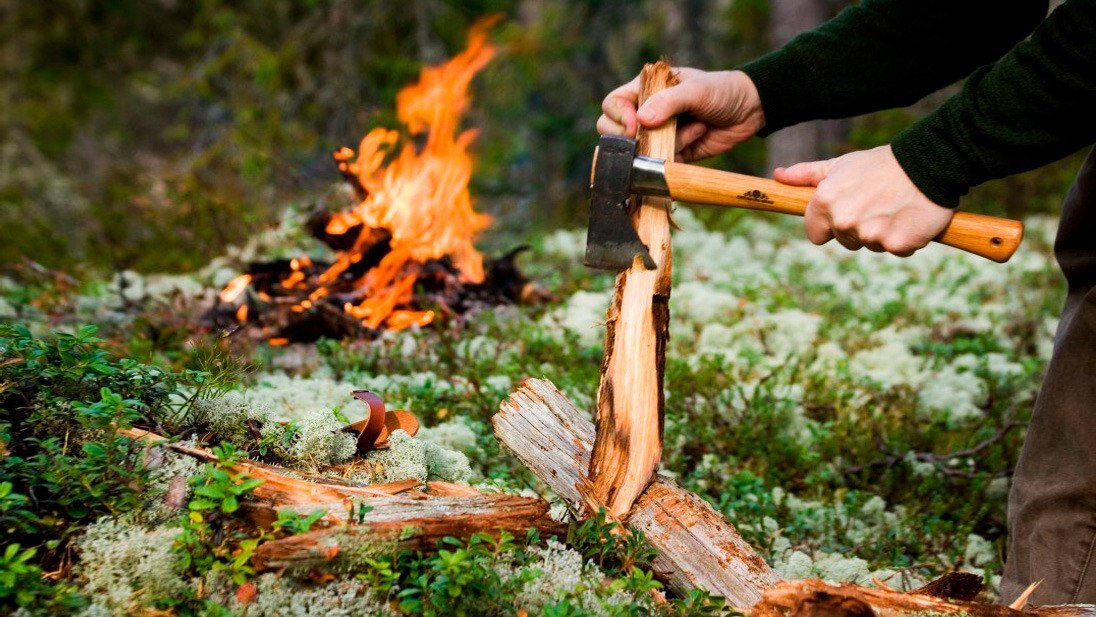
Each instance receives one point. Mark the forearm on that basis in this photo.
(1034, 106)
(884, 53)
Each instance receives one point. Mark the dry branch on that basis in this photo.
(400, 511)
(630, 397)
(697, 547)
(281, 487)
(819, 599)
(411, 522)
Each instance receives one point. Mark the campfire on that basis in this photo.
(404, 255)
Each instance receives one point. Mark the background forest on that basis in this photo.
(132, 124)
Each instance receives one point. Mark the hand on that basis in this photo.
(866, 199)
(722, 109)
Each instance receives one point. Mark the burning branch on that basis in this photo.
(405, 249)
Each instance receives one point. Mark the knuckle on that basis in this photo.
(900, 244)
(843, 221)
(870, 234)
(825, 194)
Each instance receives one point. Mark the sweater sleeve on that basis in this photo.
(885, 53)
(1034, 106)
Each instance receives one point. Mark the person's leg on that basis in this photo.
(1052, 505)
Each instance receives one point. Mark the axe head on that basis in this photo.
(611, 240)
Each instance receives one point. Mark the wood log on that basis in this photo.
(283, 487)
(697, 548)
(630, 398)
(408, 522)
(814, 598)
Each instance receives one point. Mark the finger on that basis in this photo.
(665, 104)
(804, 174)
(872, 232)
(707, 145)
(606, 126)
(817, 222)
(849, 242)
(620, 105)
(689, 134)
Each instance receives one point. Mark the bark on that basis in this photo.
(630, 396)
(814, 598)
(283, 487)
(697, 548)
(411, 522)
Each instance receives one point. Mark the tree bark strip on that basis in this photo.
(630, 398)
(406, 522)
(697, 547)
(281, 486)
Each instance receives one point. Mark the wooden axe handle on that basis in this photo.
(988, 236)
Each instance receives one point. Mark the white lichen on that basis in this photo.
(123, 565)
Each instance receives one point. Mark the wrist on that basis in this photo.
(749, 99)
(919, 156)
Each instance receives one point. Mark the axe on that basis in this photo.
(618, 173)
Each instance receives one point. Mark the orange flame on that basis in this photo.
(234, 288)
(420, 195)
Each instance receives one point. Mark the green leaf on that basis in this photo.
(229, 505)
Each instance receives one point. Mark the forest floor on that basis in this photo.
(854, 415)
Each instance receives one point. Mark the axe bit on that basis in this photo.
(610, 222)
(617, 173)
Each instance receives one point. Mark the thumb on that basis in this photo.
(803, 174)
(665, 104)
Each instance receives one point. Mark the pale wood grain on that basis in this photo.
(988, 236)
(697, 547)
(630, 398)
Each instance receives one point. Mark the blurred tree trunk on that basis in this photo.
(685, 26)
(808, 141)
(430, 51)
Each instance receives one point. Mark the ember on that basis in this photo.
(405, 252)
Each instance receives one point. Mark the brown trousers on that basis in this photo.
(1052, 506)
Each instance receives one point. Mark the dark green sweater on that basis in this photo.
(1026, 103)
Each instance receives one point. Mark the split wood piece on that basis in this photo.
(820, 599)
(630, 398)
(697, 548)
(415, 524)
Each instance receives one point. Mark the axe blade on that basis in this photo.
(611, 239)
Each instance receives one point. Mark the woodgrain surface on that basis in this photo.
(988, 236)
(697, 547)
(413, 522)
(630, 397)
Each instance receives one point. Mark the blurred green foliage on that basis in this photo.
(149, 134)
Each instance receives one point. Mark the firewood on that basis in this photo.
(408, 522)
(630, 398)
(282, 487)
(697, 548)
(820, 599)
